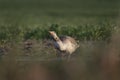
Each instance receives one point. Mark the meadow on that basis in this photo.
(94, 23)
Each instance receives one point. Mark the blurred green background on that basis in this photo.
(84, 19)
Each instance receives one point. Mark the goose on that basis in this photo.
(66, 45)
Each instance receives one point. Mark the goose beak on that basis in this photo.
(51, 32)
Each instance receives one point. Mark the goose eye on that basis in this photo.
(56, 38)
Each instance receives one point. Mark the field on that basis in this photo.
(94, 23)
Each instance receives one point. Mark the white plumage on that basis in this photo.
(65, 44)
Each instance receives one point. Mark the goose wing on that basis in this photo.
(68, 38)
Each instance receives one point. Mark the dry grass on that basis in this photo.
(92, 61)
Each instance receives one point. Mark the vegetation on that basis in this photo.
(101, 31)
(20, 20)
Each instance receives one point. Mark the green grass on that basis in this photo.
(18, 32)
(20, 20)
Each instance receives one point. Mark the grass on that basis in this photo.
(34, 19)
(100, 31)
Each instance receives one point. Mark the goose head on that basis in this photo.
(54, 35)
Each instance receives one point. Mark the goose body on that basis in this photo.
(65, 44)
